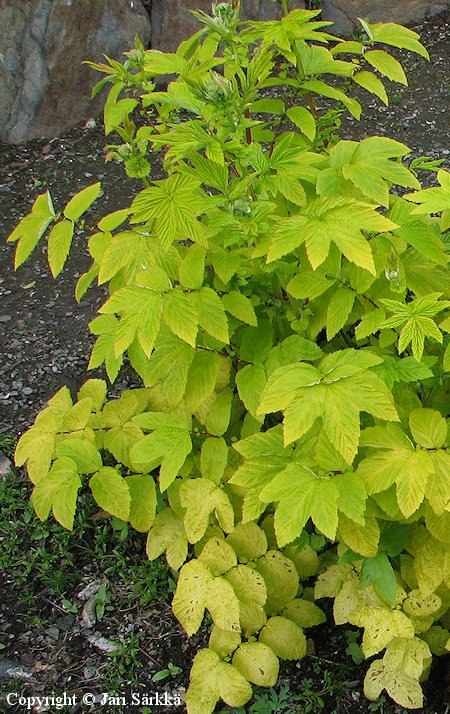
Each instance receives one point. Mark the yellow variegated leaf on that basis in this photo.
(351, 599)
(111, 492)
(431, 565)
(167, 534)
(284, 637)
(143, 501)
(418, 605)
(305, 560)
(218, 555)
(190, 597)
(222, 603)
(257, 663)
(252, 618)
(224, 642)
(361, 539)
(203, 692)
(381, 626)
(304, 613)
(281, 579)
(329, 583)
(234, 689)
(248, 585)
(249, 541)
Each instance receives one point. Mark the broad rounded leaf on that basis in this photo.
(224, 642)
(111, 492)
(257, 663)
(284, 637)
(83, 452)
(222, 603)
(218, 555)
(428, 428)
(281, 579)
(304, 613)
(249, 541)
(189, 601)
(143, 501)
(248, 585)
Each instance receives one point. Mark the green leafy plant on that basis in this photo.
(170, 671)
(287, 313)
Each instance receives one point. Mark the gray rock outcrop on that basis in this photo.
(44, 87)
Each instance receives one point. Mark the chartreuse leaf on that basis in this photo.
(362, 539)
(438, 486)
(222, 603)
(214, 459)
(257, 663)
(59, 242)
(386, 65)
(36, 447)
(249, 541)
(211, 314)
(324, 221)
(304, 120)
(140, 311)
(396, 462)
(372, 84)
(211, 679)
(190, 597)
(431, 564)
(143, 501)
(428, 427)
(381, 626)
(31, 228)
(248, 585)
(96, 389)
(398, 36)
(218, 555)
(240, 306)
(337, 391)
(433, 200)
(398, 672)
(111, 492)
(252, 618)
(304, 613)
(223, 642)
(219, 413)
(250, 382)
(280, 577)
(82, 452)
(192, 268)
(419, 605)
(284, 637)
(304, 558)
(83, 200)
(167, 534)
(339, 309)
(157, 448)
(104, 350)
(301, 495)
(201, 378)
(201, 498)
(180, 315)
(329, 583)
(174, 204)
(58, 491)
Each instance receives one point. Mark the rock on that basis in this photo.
(5, 466)
(172, 22)
(344, 13)
(44, 87)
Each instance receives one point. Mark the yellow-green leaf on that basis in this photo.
(111, 492)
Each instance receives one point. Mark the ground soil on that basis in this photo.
(44, 343)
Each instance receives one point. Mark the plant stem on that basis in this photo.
(284, 5)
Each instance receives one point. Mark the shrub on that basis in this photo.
(287, 313)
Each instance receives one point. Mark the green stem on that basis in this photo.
(146, 182)
(284, 5)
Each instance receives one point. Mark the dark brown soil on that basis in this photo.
(44, 343)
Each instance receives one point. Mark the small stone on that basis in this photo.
(27, 391)
(5, 318)
(5, 466)
(52, 632)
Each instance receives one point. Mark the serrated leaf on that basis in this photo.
(240, 306)
(222, 604)
(250, 382)
(189, 601)
(381, 626)
(218, 555)
(201, 378)
(211, 314)
(58, 491)
(180, 314)
(386, 65)
(219, 413)
(35, 448)
(143, 501)
(80, 203)
(59, 242)
(372, 84)
(284, 637)
(96, 389)
(192, 268)
(304, 120)
(281, 579)
(304, 613)
(111, 492)
(398, 36)
(214, 459)
(249, 541)
(167, 534)
(157, 449)
(202, 497)
(248, 585)
(378, 571)
(223, 642)
(329, 583)
(257, 663)
(339, 309)
(428, 427)
(82, 452)
(233, 687)
(362, 539)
